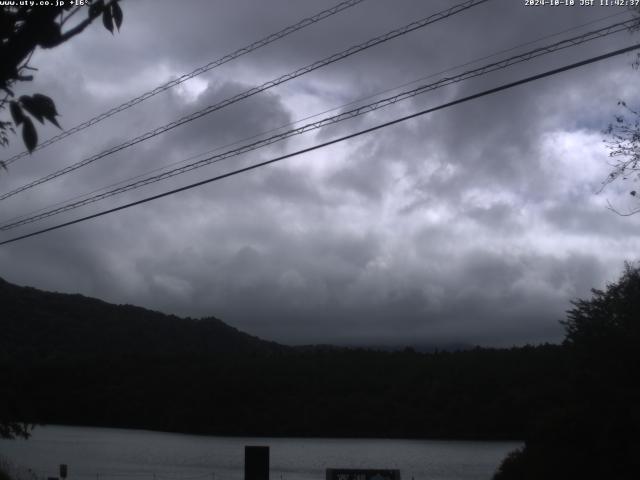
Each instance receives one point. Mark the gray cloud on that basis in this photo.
(473, 224)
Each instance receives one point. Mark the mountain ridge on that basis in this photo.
(74, 360)
(49, 323)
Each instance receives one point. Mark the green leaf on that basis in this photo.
(46, 107)
(29, 134)
(107, 20)
(32, 106)
(117, 14)
(16, 112)
(96, 8)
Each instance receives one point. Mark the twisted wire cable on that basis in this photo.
(253, 91)
(205, 68)
(380, 126)
(492, 67)
(309, 117)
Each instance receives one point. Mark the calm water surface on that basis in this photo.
(114, 454)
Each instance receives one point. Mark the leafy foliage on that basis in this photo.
(11, 429)
(624, 138)
(624, 147)
(11, 471)
(23, 29)
(594, 432)
(609, 319)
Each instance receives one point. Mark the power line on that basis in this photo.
(255, 90)
(492, 67)
(334, 141)
(205, 68)
(340, 107)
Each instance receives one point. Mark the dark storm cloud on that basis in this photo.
(476, 223)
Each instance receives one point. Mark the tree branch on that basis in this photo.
(75, 30)
(617, 212)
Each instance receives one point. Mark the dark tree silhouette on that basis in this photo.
(623, 141)
(11, 429)
(609, 319)
(74, 360)
(22, 30)
(595, 431)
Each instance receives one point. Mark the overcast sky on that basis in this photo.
(476, 224)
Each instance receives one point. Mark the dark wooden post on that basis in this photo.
(361, 474)
(256, 463)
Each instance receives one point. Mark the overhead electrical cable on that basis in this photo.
(484, 93)
(299, 120)
(492, 67)
(205, 68)
(255, 90)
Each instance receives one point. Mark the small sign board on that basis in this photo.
(361, 474)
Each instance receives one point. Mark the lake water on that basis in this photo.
(115, 454)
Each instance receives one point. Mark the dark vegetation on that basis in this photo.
(74, 360)
(593, 432)
(69, 359)
(23, 29)
(3, 474)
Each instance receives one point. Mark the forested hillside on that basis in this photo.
(74, 360)
(44, 325)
